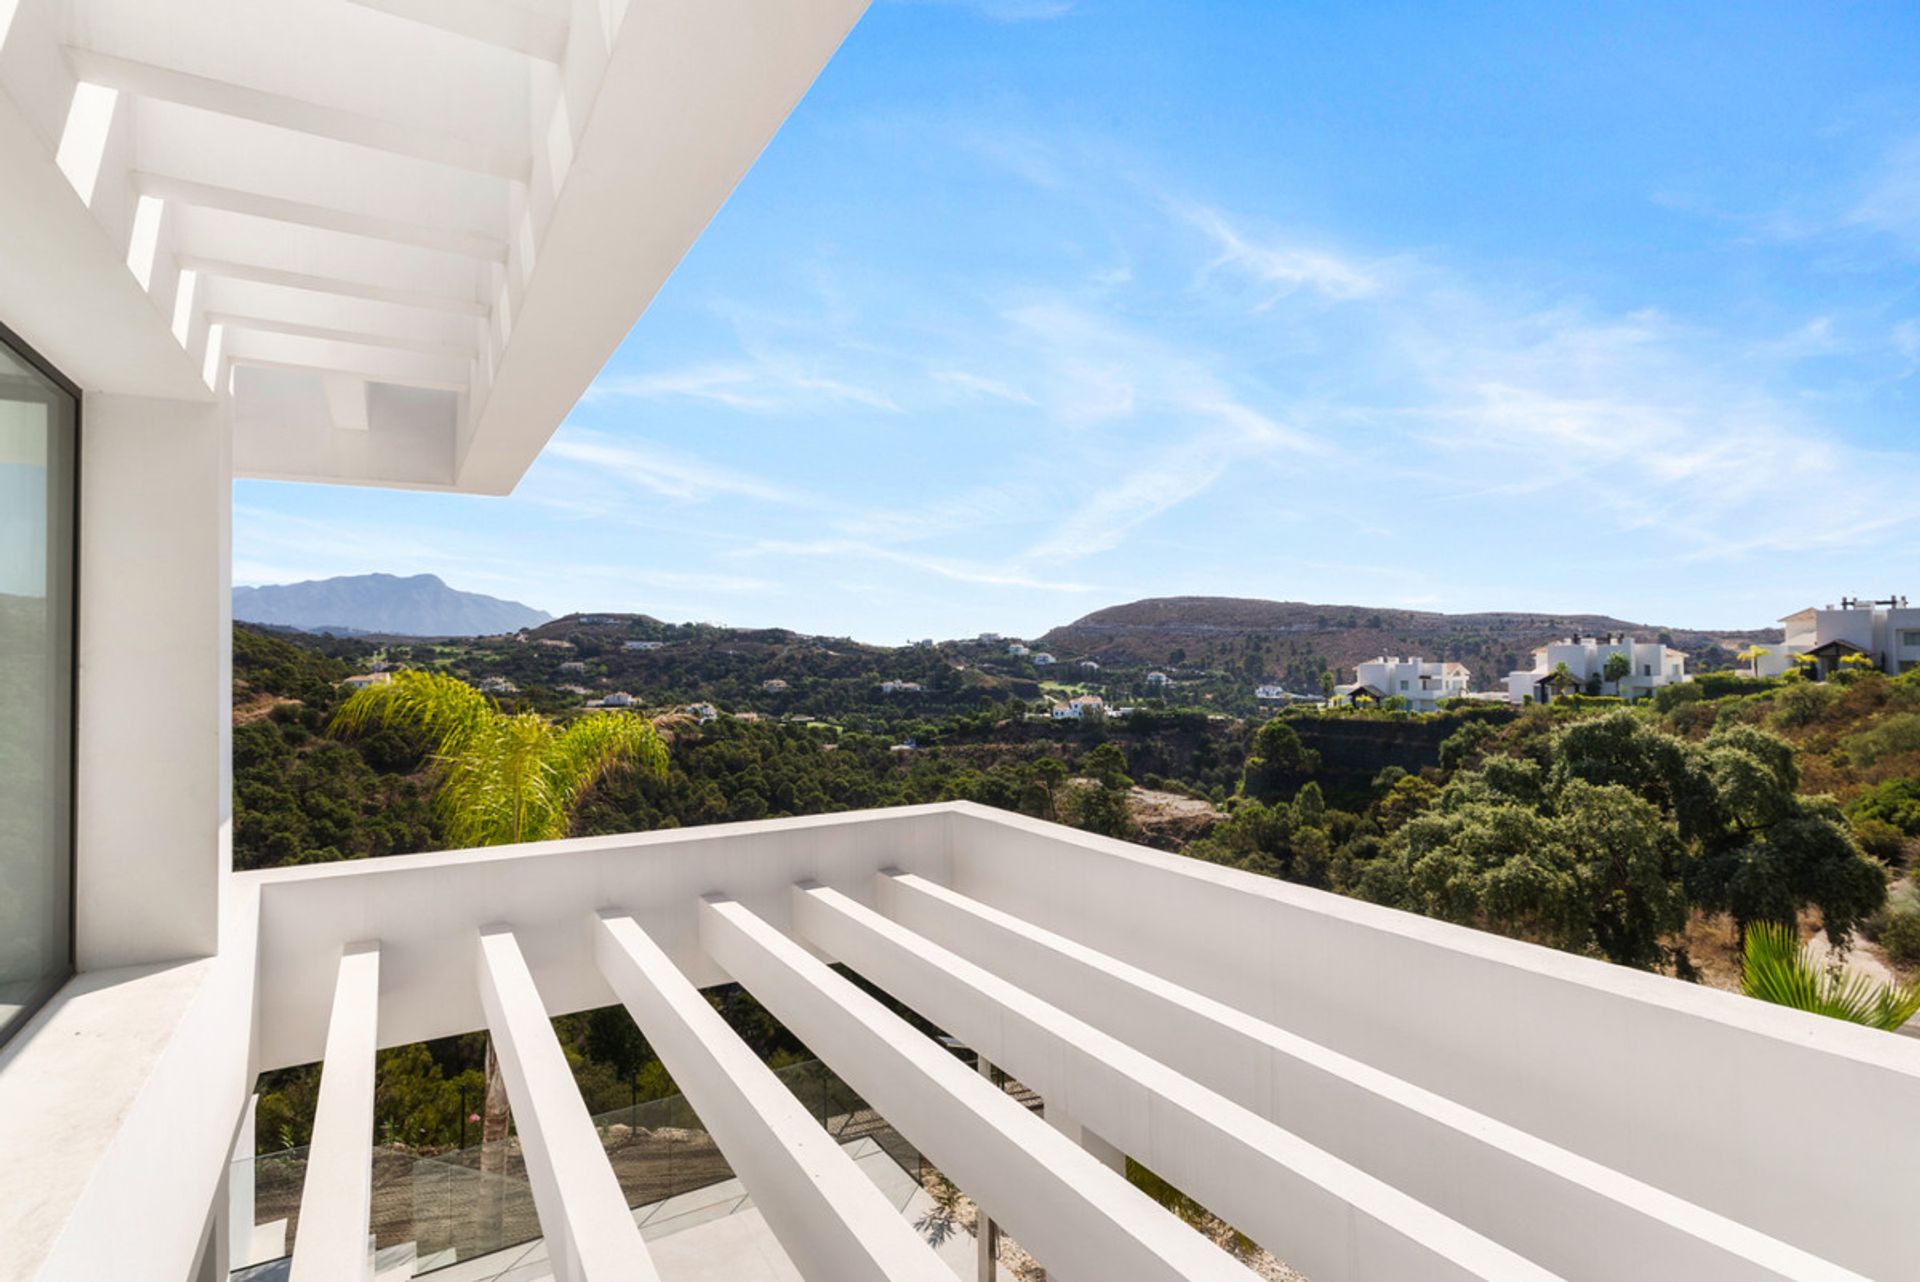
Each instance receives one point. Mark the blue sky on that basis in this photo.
(1037, 306)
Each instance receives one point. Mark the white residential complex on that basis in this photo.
(1885, 633)
(391, 242)
(1649, 665)
(1423, 683)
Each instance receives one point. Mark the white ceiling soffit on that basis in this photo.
(402, 236)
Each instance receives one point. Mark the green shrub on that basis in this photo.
(1899, 934)
(1667, 698)
(1893, 737)
(1895, 802)
(1588, 701)
(1880, 839)
(1803, 704)
(1722, 685)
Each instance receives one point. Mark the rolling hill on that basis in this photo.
(1287, 639)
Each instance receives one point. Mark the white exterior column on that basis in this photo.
(986, 1234)
(590, 1231)
(831, 1220)
(238, 1212)
(154, 774)
(337, 1198)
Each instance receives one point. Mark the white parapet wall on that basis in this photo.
(1684, 1087)
(1382, 1074)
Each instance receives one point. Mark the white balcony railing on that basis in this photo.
(1367, 1094)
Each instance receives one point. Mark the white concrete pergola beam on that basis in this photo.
(590, 1231)
(1584, 1220)
(447, 240)
(297, 115)
(830, 1218)
(1322, 1215)
(1074, 1214)
(337, 1196)
(336, 285)
(522, 29)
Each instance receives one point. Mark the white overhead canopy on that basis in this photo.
(401, 235)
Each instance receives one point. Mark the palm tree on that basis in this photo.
(1618, 668)
(508, 777)
(1779, 969)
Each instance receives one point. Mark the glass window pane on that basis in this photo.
(37, 431)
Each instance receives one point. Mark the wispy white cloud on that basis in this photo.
(1890, 202)
(1112, 510)
(770, 385)
(1906, 341)
(979, 385)
(1006, 10)
(956, 569)
(1643, 427)
(667, 473)
(1280, 269)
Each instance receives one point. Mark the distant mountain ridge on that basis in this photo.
(419, 605)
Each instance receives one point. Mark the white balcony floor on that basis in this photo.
(716, 1234)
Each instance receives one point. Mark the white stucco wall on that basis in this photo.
(154, 781)
(1579, 1052)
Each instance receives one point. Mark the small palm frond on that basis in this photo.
(508, 778)
(1779, 969)
(446, 708)
(597, 743)
(496, 791)
(670, 724)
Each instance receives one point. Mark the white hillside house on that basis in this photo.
(1886, 632)
(1085, 708)
(1423, 683)
(1651, 665)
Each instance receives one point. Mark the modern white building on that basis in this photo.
(1043, 660)
(390, 242)
(1018, 651)
(1650, 665)
(1423, 683)
(643, 646)
(1886, 633)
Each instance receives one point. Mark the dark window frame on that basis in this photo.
(26, 352)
